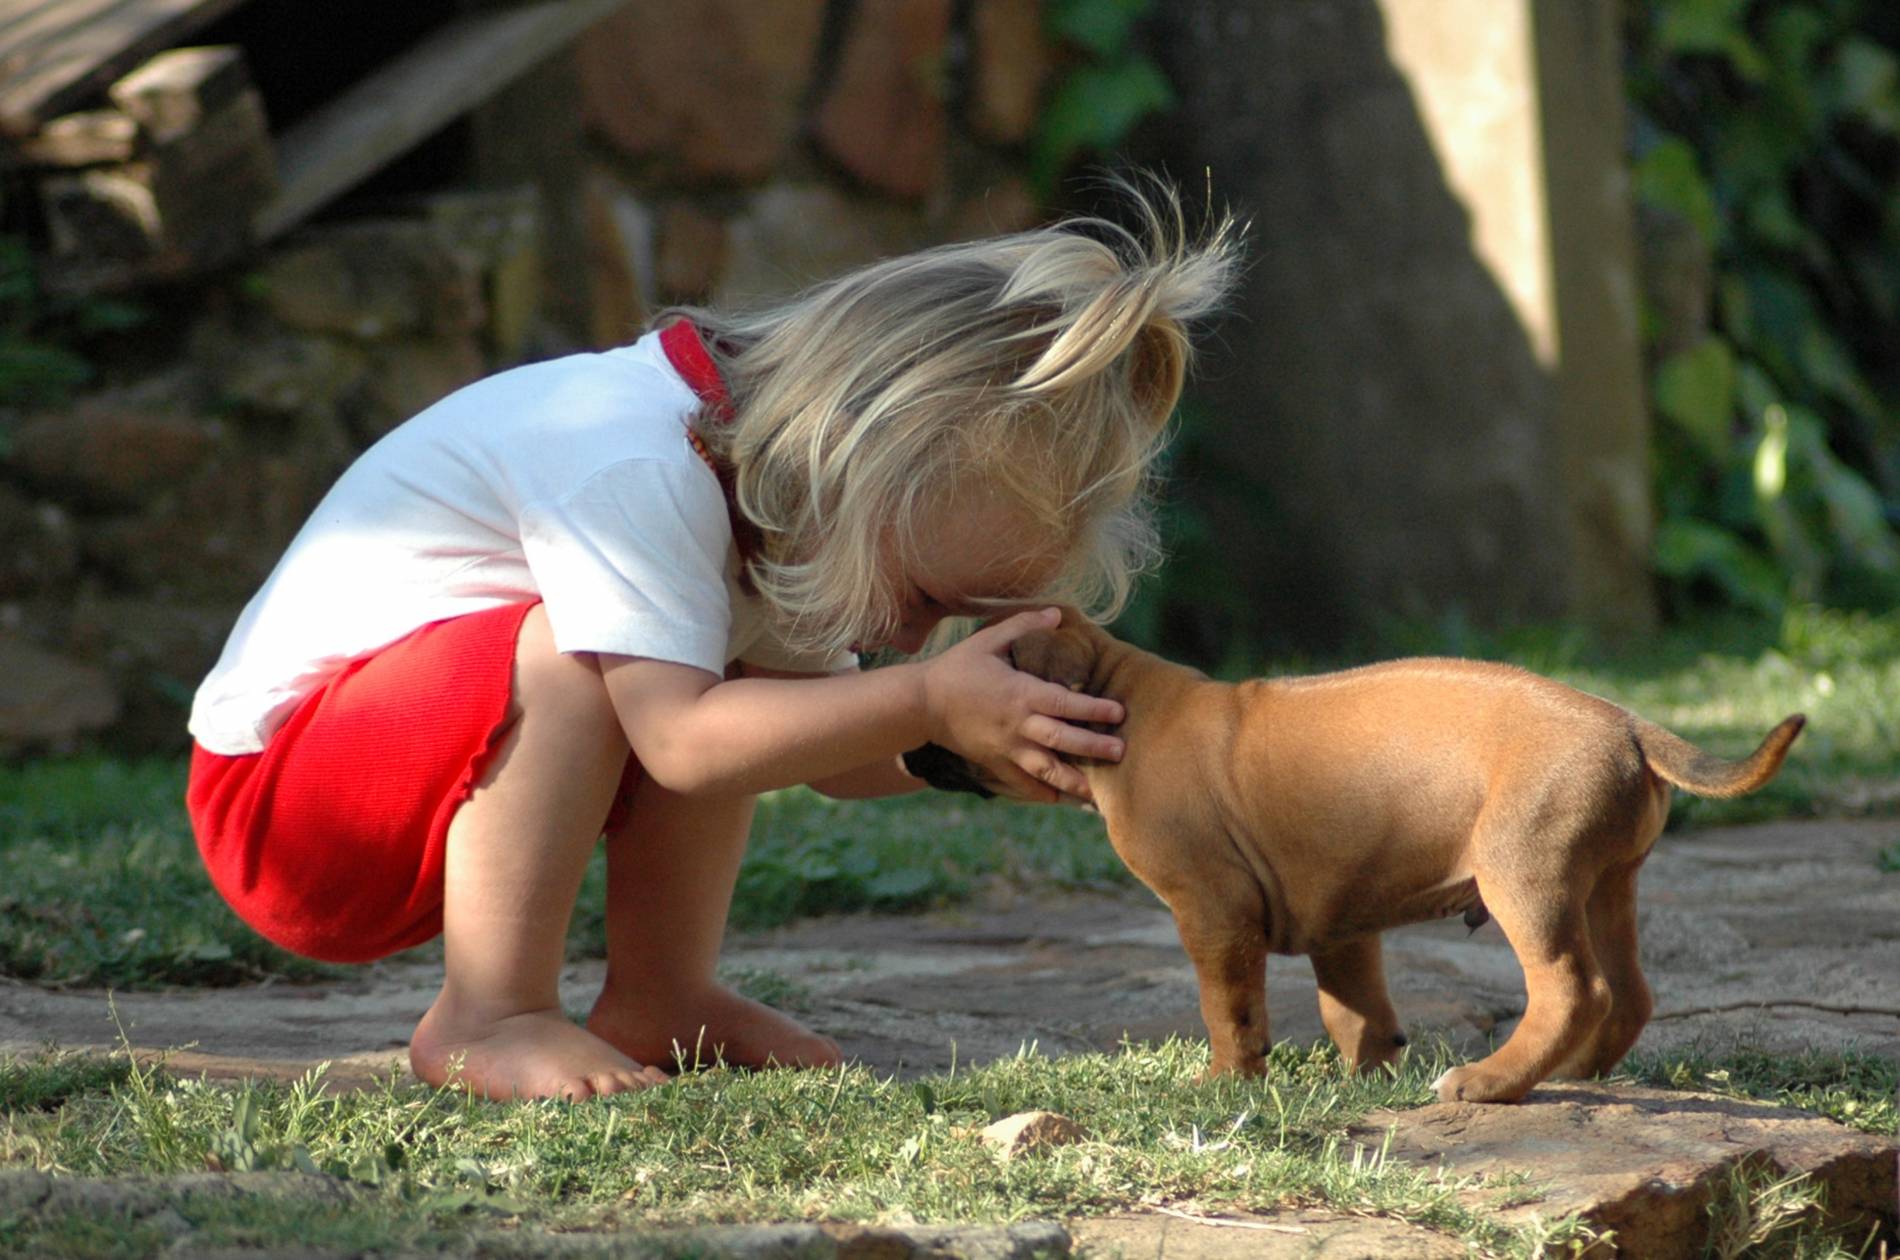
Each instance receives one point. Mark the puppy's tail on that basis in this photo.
(1676, 760)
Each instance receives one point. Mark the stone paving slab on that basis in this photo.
(1642, 1163)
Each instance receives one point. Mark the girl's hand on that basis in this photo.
(1011, 723)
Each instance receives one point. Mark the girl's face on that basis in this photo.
(970, 558)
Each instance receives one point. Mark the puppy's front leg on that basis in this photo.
(1226, 940)
(1354, 1005)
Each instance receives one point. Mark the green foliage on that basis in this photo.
(1107, 89)
(39, 364)
(1771, 133)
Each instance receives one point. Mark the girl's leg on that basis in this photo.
(516, 852)
(671, 868)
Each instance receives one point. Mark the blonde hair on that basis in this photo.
(1041, 366)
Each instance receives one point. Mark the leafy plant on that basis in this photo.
(1768, 140)
(39, 364)
(1108, 89)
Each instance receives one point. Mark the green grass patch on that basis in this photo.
(433, 1170)
(100, 883)
(43, 1082)
(1859, 1090)
(244, 1224)
(722, 1146)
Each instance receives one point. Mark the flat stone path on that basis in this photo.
(1782, 936)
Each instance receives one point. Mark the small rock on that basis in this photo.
(691, 253)
(109, 455)
(42, 553)
(1000, 206)
(792, 234)
(1011, 63)
(47, 701)
(375, 278)
(1031, 1131)
(620, 259)
(265, 368)
(884, 117)
(408, 374)
(714, 97)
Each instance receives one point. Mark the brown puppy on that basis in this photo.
(1307, 815)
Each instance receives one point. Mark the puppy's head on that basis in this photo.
(1065, 655)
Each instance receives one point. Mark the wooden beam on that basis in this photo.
(56, 53)
(174, 91)
(412, 97)
(92, 138)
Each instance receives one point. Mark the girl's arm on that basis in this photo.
(697, 734)
(884, 777)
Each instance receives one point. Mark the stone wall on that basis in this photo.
(733, 150)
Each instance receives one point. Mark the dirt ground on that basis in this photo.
(1781, 936)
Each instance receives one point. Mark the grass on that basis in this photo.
(433, 1170)
(722, 1146)
(1861, 1091)
(100, 884)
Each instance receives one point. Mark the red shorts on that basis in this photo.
(330, 841)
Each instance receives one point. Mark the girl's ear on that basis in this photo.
(1156, 370)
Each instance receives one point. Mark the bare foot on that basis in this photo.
(533, 1054)
(717, 1026)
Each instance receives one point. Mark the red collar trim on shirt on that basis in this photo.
(686, 351)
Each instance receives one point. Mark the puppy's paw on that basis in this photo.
(1472, 1083)
(1253, 1065)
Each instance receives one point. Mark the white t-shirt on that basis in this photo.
(572, 482)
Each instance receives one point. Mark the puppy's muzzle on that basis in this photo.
(943, 769)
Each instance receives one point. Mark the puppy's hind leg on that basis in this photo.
(1547, 926)
(1354, 1005)
(1613, 936)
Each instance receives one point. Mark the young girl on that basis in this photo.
(622, 592)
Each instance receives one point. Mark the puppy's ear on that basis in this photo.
(1063, 656)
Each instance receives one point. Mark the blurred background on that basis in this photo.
(1568, 323)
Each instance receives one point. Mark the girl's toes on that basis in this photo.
(609, 1083)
